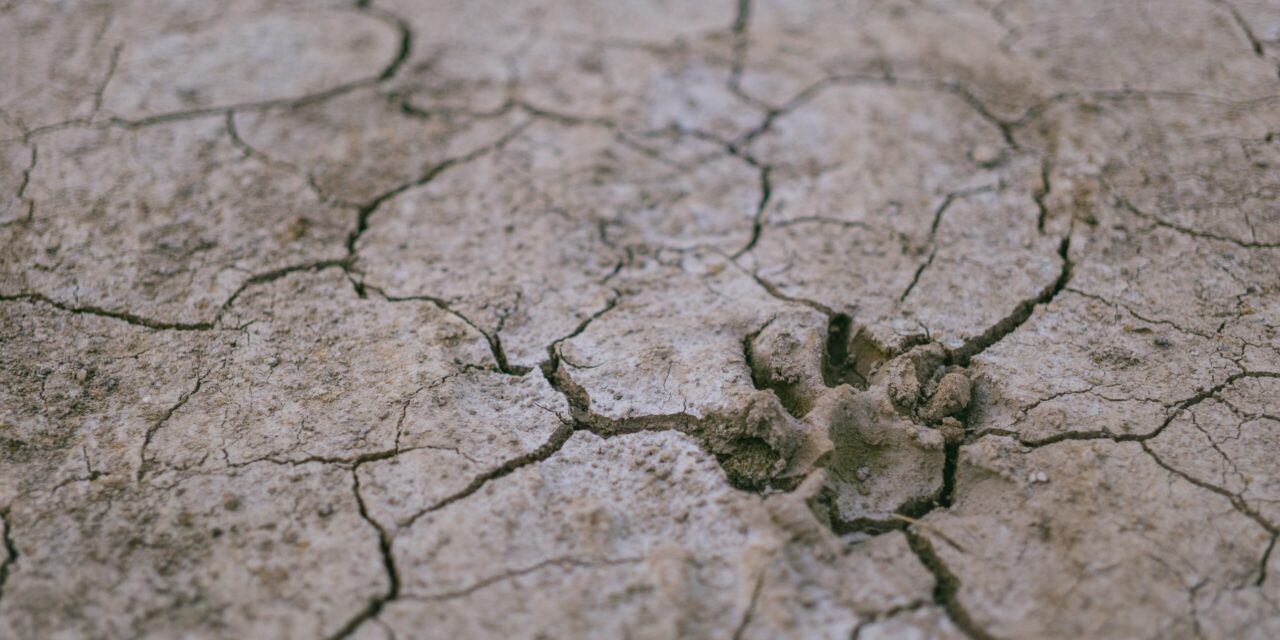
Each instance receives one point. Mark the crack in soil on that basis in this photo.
(1020, 314)
(377, 603)
(946, 591)
(10, 549)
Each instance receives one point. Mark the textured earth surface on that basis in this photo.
(640, 319)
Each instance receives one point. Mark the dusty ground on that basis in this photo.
(900, 319)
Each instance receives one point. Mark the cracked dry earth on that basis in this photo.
(645, 319)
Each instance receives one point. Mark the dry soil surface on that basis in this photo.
(640, 319)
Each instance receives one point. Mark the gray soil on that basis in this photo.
(640, 319)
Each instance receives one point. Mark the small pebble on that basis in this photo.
(82, 375)
(1038, 477)
(985, 155)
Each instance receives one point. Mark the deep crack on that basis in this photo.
(377, 603)
(946, 590)
(1020, 314)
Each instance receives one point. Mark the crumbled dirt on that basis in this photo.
(733, 319)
